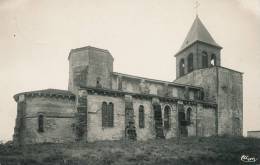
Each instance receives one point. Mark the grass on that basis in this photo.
(189, 151)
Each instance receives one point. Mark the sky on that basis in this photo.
(142, 36)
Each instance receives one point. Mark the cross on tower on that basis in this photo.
(197, 4)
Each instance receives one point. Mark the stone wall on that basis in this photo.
(89, 65)
(205, 78)
(95, 129)
(172, 131)
(224, 86)
(148, 131)
(81, 115)
(58, 120)
(230, 102)
(19, 123)
(96, 132)
(203, 118)
(61, 122)
(206, 121)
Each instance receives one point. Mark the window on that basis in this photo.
(182, 67)
(104, 114)
(110, 115)
(40, 123)
(204, 59)
(167, 111)
(190, 62)
(141, 116)
(189, 114)
(107, 114)
(213, 60)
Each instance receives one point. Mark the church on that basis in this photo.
(205, 99)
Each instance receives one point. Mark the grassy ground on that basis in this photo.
(190, 151)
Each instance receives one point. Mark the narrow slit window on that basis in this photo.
(104, 114)
(110, 115)
(40, 123)
(141, 116)
(189, 114)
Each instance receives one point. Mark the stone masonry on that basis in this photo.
(100, 104)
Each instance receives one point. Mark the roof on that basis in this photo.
(47, 92)
(118, 93)
(89, 48)
(157, 81)
(198, 32)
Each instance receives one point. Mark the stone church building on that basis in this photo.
(205, 99)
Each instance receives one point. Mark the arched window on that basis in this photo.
(141, 116)
(40, 123)
(110, 115)
(104, 115)
(167, 111)
(204, 59)
(189, 114)
(190, 62)
(213, 60)
(182, 67)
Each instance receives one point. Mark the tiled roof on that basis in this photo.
(198, 32)
(48, 92)
(156, 81)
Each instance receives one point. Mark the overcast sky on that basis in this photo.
(142, 35)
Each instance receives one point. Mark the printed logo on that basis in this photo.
(248, 159)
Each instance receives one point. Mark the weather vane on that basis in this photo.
(197, 4)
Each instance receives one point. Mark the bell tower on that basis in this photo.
(199, 50)
(199, 63)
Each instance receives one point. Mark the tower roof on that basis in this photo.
(198, 32)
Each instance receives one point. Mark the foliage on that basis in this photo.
(191, 150)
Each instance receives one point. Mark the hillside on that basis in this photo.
(192, 150)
